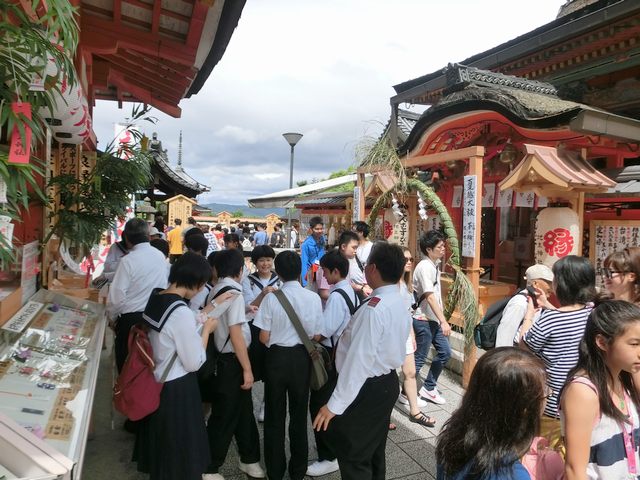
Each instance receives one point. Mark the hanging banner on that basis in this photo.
(400, 233)
(505, 198)
(488, 195)
(20, 152)
(469, 218)
(3, 191)
(525, 199)
(30, 270)
(543, 202)
(356, 204)
(457, 196)
(6, 231)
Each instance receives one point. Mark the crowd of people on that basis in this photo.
(556, 396)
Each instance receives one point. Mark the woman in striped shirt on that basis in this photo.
(599, 405)
(556, 334)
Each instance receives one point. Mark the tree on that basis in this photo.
(237, 214)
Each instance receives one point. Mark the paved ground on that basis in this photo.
(410, 449)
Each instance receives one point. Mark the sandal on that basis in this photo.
(422, 419)
(392, 426)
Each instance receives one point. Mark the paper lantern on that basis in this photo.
(557, 234)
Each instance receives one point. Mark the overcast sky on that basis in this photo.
(324, 69)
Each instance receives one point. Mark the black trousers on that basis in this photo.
(231, 416)
(359, 435)
(286, 377)
(257, 353)
(121, 340)
(317, 399)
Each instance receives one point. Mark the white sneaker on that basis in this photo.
(212, 476)
(324, 467)
(432, 396)
(254, 470)
(402, 398)
(260, 416)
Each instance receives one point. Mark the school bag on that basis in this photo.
(320, 359)
(209, 368)
(136, 392)
(484, 334)
(350, 305)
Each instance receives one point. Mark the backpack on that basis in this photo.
(350, 305)
(484, 334)
(136, 392)
(209, 368)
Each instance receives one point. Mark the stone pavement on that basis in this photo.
(410, 448)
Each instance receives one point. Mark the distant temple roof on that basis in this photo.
(169, 180)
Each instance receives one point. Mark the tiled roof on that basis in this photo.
(178, 176)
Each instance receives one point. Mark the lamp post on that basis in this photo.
(292, 139)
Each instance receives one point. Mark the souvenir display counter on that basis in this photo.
(49, 357)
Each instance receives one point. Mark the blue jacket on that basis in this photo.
(310, 251)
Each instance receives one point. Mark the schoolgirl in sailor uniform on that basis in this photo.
(171, 443)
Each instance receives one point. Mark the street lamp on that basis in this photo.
(292, 139)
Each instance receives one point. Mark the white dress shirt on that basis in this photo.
(426, 279)
(138, 273)
(272, 318)
(356, 275)
(234, 315)
(363, 252)
(373, 344)
(179, 334)
(113, 258)
(336, 313)
(199, 300)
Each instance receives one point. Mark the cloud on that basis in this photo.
(267, 176)
(291, 73)
(237, 134)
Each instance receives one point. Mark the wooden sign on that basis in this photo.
(608, 236)
(469, 216)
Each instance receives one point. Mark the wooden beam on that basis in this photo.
(436, 158)
(472, 265)
(143, 95)
(198, 18)
(158, 68)
(155, 19)
(167, 85)
(117, 11)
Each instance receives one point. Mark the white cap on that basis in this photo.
(539, 271)
(154, 231)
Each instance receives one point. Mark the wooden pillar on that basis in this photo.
(471, 265)
(579, 208)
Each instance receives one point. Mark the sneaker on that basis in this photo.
(212, 476)
(260, 416)
(254, 470)
(432, 396)
(322, 467)
(402, 398)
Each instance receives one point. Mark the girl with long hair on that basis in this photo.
(599, 403)
(621, 272)
(409, 395)
(498, 418)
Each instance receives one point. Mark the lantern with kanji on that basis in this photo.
(557, 234)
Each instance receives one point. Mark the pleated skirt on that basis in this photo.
(171, 443)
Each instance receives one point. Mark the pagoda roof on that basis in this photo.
(169, 180)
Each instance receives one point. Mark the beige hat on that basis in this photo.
(539, 271)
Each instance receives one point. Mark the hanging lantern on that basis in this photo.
(557, 234)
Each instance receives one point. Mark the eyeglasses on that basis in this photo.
(608, 273)
(410, 259)
(547, 392)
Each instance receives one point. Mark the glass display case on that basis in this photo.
(49, 357)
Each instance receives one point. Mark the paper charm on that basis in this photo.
(19, 152)
(3, 191)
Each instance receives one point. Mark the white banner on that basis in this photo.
(356, 204)
(469, 218)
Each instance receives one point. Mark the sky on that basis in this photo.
(325, 69)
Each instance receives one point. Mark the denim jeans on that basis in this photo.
(427, 334)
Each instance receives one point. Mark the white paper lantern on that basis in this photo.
(557, 234)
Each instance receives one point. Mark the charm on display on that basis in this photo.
(395, 207)
(422, 207)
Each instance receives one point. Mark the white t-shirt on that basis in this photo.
(234, 315)
(363, 251)
(426, 279)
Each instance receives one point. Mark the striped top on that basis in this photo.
(607, 455)
(555, 337)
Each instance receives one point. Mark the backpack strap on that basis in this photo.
(360, 264)
(351, 305)
(224, 289)
(166, 370)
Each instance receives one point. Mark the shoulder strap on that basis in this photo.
(293, 316)
(350, 304)
(120, 245)
(224, 289)
(166, 370)
(362, 303)
(360, 265)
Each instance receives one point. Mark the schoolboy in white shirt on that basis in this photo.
(287, 369)
(231, 402)
(341, 304)
(370, 350)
